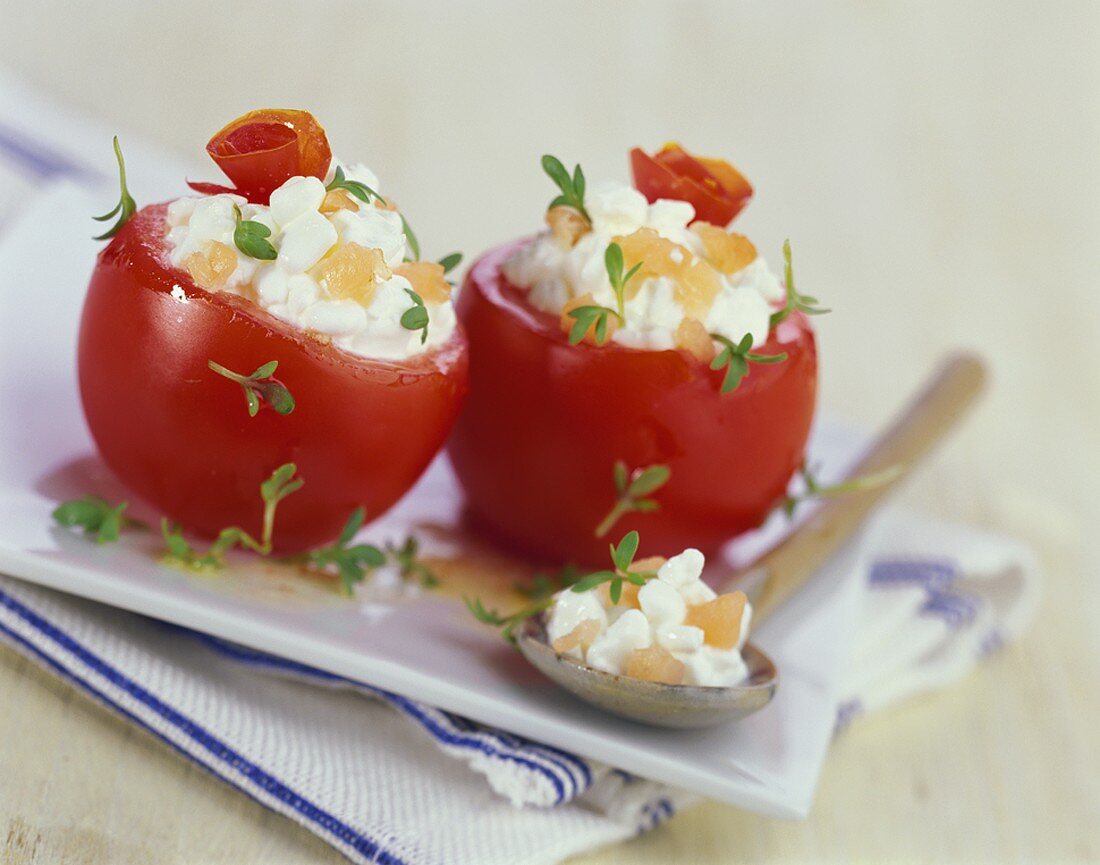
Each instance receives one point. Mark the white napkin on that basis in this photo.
(356, 771)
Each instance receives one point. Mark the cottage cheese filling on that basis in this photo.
(691, 273)
(340, 272)
(674, 629)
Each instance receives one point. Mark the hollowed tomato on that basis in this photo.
(536, 442)
(180, 435)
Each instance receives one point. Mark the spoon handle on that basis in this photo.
(788, 566)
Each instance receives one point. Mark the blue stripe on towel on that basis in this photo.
(330, 825)
(445, 728)
(36, 158)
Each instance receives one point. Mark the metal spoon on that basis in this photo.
(776, 575)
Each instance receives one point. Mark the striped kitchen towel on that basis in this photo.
(356, 771)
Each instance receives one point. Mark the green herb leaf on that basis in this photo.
(450, 262)
(613, 262)
(259, 387)
(409, 564)
(507, 623)
(416, 317)
(410, 238)
(250, 238)
(572, 188)
(632, 487)
(802, 302)
(583, 319)
(95, 516)
(126, 206)
(360, 190)
(623, 554)
(735, 358)
(280, 484)
(814, 489)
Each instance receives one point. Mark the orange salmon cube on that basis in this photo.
(567, 225)
(338, 199)
(351, 271)
(654, 664)
(213, 269)
(581, 637)
(693, 338)
(427, 280)
(720, 619)
(727, 251)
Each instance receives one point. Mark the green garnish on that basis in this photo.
(409, 565)
(260, 387)
(410, 237)
(450, 262)
(277, 487)
(95, 515)
(350, 562)
(250, 238)
(509, 623)
(802, 302)
(815, 489)
(572, 188)
(360, 190)
(735, 357)
(583, 318)
(544, 585)
(416, 317)
(622, 557)
(542, 589)
(613, 261)
(632, 488)
(126, 206)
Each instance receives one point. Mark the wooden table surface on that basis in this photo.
(938, 166)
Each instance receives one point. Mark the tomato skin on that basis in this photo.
(180, 436)
(261, 150)
(535, 443)
(713, 187)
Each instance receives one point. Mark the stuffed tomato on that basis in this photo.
(282, 320)
(632, 368)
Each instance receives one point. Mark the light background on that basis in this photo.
(937, 167)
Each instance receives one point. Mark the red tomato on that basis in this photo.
(179, 434)
(261, 150)
(713, 187)
(536, 441)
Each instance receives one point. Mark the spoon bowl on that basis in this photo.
(654, 703)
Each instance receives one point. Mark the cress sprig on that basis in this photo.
(251, 238)
(259, 387)
(277, 487)
(351, 562)
(416, 316)
(802, 302)
(622, 557)
(572, 187)
(735, 359)
(815, 489)
(126, 206)
(96, 516)
(584, 317)
(632, 488)
(357, 188)
(409, 565)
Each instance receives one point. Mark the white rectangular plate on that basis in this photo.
(428, 648)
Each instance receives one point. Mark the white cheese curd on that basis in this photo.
(555, 270)
(656, 620)
(292, 286)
